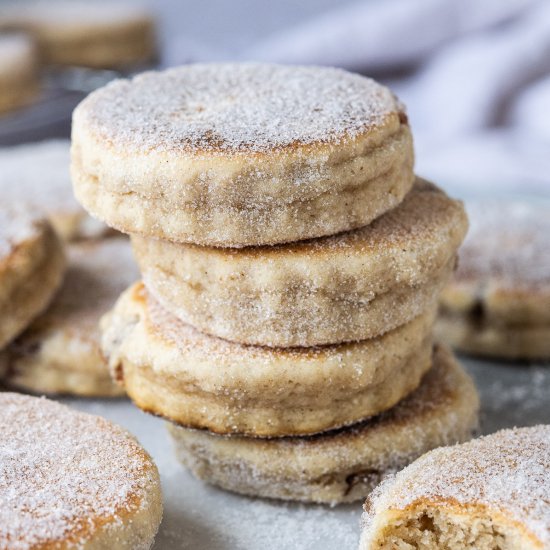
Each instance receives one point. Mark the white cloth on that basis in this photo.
(476, 84)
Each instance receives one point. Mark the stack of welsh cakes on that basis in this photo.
(291, 270)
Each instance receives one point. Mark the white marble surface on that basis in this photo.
(200, 517)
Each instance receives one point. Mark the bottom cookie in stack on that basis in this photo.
(59, 352)
(342, 465)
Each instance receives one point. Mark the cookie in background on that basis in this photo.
(59, 352)
(498, 302)
(37, 175)
(88, 34)
(19, 74)
(32, 264)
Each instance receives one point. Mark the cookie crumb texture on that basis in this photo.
(489, 494)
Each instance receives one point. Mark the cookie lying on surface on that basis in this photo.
(60, 351)
(241, 154)
(343, 465)
(173, 370)
(488, 494)
(73, 480)
(37, 175)
(348, 287)
(32, 264)
(498, 302)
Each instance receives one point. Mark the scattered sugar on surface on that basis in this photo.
(243, 523)
(38, 175)
(508, 240)
(232, 108)
(60, 471)
(509, 471)
(17, 225)
(512, 395)
(200, 516)
(278, 525)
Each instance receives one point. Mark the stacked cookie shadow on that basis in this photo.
(291, 270)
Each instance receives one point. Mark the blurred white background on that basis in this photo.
(474, 74)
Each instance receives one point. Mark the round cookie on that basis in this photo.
(498, 302)
(98, 35)
(73, 480)
(32, 264)
(18, 71)
(345, 465)
(241, 154)
(37, 175)
(489, 493)
(171, 369)
(60, 351)
(527, 342)
(351, 286)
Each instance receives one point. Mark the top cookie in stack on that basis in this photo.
(241, 155)
(274, 210)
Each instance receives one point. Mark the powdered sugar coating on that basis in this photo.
(508, 241)
(236, 108)
(508, 472)
(17, 225)
(64, 473)
(189, 340)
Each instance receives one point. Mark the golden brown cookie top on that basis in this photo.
(64, 474)
(237, 108)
